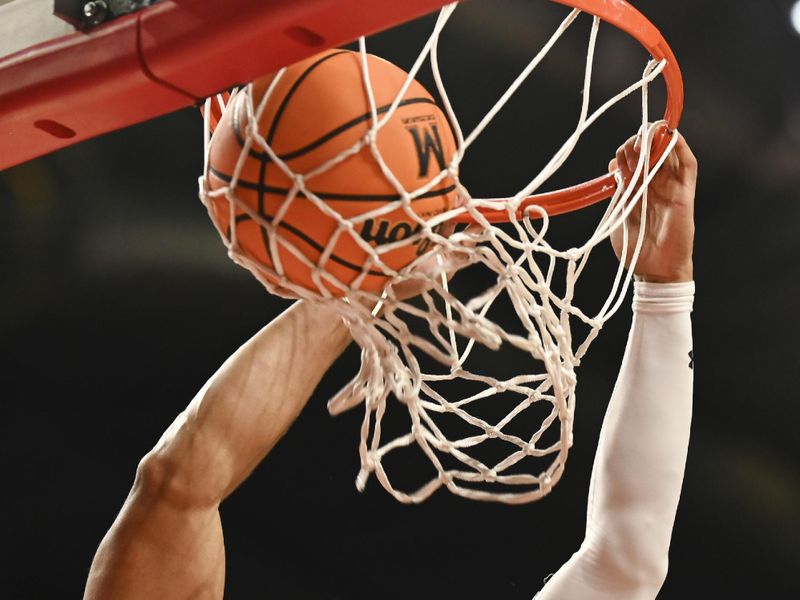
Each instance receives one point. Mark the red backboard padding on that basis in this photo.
(164, 58)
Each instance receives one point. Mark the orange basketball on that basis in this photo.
(319, 108)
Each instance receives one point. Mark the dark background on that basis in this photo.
(117, 302)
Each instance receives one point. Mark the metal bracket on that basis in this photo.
(86, 14)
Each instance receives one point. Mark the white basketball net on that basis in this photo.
(414, 349)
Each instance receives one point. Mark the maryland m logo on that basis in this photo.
(427, 142)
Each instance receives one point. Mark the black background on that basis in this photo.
(117, 302)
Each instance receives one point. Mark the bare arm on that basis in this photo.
(167, 540)
(640, 460)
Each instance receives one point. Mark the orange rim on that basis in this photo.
(625, 17)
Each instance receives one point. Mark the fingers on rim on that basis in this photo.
(622, 163)
(628, 154)
(631, 155)
(684, 154)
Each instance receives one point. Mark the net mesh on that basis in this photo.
(490, 427)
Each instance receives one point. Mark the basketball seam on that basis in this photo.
(237, 128)
(329, 135)
(334, 196)
(285, 102)
(352, 123)
(308, 240)
(262, 188)
(264, 159)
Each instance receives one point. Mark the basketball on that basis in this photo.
(317, 109)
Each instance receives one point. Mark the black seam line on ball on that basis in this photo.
(310, 241)
(264, 158)
(285, 102)
(262, 178)
(268, 189)
(334, 132)
(349, 124)
(237, 125)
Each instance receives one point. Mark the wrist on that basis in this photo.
(653, 297)
(681, 275)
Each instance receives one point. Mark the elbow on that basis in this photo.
(170, 479)
(157, 479)
(635, 565)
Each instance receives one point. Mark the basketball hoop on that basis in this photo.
(413, 350)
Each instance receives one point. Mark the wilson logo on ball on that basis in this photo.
(379, 232)
(386, 231)
(316, 111)
(427, 142)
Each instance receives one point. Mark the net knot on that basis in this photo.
(426, 351)
(452, 168)
(573, 254)
(405, 396)
(445, 446)
(369, 461)
(251, 130)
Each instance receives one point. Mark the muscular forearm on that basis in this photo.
(250, 402)
(638, 471)
(167, 540)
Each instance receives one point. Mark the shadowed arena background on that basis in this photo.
(117, 302)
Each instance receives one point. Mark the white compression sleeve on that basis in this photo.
(640, 460)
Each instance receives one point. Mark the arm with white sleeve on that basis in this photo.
(639, 466)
